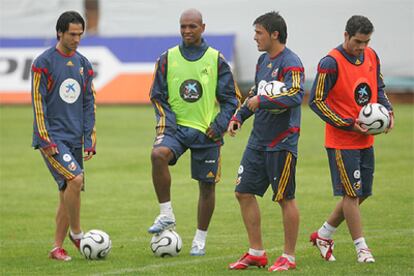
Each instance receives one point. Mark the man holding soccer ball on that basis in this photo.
(348, 78)
(270, 155)
(63, 100)
(189, 80)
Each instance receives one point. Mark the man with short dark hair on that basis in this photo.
(194, 96)
(271, 153)
(348, 78)
(63, 100)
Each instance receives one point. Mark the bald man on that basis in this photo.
(194, 97)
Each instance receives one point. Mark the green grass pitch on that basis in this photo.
(120, 200)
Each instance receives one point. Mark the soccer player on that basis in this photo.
(271, 152)
(190, 79)
(348, 78)
(63, 100)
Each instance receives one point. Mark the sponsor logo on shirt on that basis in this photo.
(191, 91)
(69, 90)
(362, 94)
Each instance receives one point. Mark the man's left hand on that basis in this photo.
(391, 124)
(88, 155)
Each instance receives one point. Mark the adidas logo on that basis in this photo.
(69, 63)
(210, 174)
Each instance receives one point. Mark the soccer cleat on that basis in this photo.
(249, 260)
(282, 264)
(59, 254)
(161, 223)
(325, 246)
(365, 256)
(76, 242)
(198, 249)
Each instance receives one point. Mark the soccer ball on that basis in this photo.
(166, 244)
(271, 88)
(95, 245)
(374, 117)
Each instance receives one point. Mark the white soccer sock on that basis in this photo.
(166, 209)
(290, 258)
(360, 243)
(256, 252)
(200, 236)
(76, 236)
(326, 231)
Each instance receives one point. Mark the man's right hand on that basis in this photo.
(233, 127)
(358, 128)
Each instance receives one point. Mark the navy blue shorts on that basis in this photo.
(205, 154)
(258, 169)
(352, 171)
(66, 165)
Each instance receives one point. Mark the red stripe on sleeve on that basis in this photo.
(293, 68)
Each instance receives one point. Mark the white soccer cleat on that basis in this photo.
(161, 223)
(325, 246)
(198, 249)
(365, 256)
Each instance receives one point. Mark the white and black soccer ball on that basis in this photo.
(166, 244)
(95, 245)
(374, 117)
(271, 88)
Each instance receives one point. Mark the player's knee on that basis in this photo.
(76, 183)
(242, 196)
(287, 203)
(207, 190)
(351, 199)
(160, 155)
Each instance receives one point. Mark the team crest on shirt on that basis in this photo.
(191, 90)
(241, 169)
(362, 94)
(274, 73)
(69, 90)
